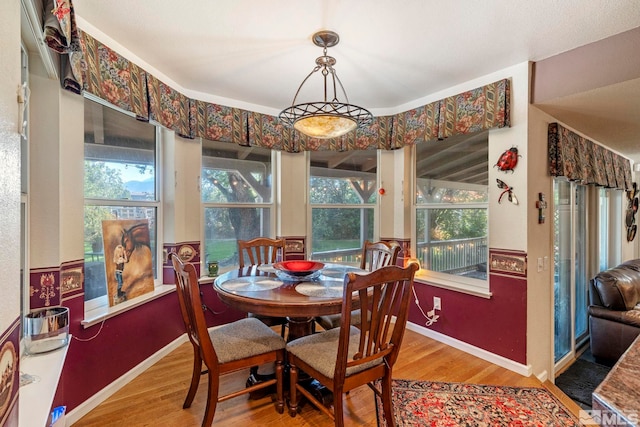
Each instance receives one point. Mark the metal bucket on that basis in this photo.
(46, 329)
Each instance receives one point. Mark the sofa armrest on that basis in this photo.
(616, 289)
(629, 317)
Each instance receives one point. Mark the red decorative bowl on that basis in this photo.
(298, 268)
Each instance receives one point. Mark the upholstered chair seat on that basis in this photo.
(321, 350)
(244, 338)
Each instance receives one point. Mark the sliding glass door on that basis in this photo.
(570, 267)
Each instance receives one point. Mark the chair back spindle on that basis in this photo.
(261, 250)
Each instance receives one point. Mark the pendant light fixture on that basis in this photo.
(329, 118)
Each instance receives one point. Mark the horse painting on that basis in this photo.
(134, 237)
(137, 274)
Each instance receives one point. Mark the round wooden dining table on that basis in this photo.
(257, 289)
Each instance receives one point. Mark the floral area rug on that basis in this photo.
(424, 403)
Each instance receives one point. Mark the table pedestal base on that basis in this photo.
(300, 327)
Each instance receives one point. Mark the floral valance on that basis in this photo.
(169, 107)
(475, 110)
(582, 160)
(111, 77)
(416, 125)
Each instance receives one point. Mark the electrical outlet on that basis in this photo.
(437, 305)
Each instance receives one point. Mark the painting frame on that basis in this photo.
(507, 262)
(128, 259)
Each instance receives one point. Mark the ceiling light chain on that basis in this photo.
(326, 119)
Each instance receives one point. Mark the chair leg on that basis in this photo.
(212, 400)
(293, 392)
(386, 400)
(338, 408)
(195, 379)
(279, 386)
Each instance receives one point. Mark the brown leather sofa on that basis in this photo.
(614, 310)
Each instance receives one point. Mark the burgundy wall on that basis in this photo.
(497, 324)
(125, 340)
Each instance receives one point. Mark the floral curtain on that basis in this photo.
(169, 107)
(475, 110)
(220, 123)
(417, 125)
(110, 76)
(61, 35)
(580, 159)
(268, 132)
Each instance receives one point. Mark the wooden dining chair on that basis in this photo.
(347, 357)
(232, 347)
(262, 250)
(374, 255)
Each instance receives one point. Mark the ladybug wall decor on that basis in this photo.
(508, 160)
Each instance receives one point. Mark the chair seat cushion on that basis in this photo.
(320, 351)
(244, 338)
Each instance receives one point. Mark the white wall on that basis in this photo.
(540, 244)
(292, 179)
(10, 161)
(181, 166)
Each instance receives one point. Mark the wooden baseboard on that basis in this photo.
(501, 361)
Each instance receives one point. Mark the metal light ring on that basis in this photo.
(296, 112)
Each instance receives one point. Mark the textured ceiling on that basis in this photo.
(254, 54)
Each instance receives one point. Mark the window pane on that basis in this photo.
(453, 241)
(237, 196)
(451, 205)
(119, 183)
(235, 174)
(338, 234)
(343, 178)
(120, 155)
(338, 183)
(223, 227)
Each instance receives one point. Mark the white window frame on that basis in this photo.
(374, 206)
(271, 206)
(472, 286)
(99, 307)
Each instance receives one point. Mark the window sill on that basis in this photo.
(35, 399)
(97, 315)
(465, 288)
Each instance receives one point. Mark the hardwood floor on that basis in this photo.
(155, 397)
